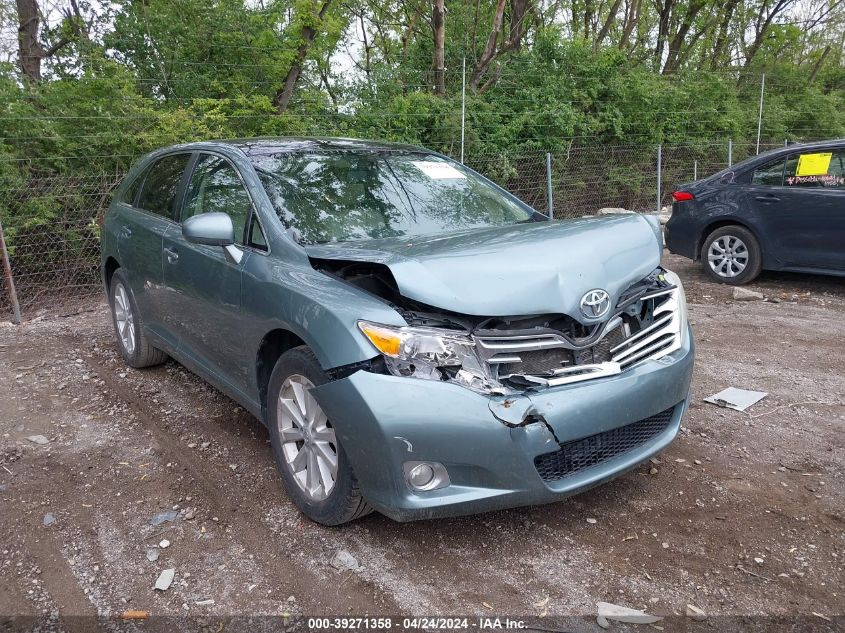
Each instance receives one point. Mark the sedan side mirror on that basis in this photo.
(211, 229)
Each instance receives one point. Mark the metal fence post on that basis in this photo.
(659, 175)
(10, 282)
(463, 106)
(695, 170)
(760, 114)
(549, 185)
(730, 152)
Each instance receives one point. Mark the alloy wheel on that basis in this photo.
(124, 318)
(727, 256)
(308, 441)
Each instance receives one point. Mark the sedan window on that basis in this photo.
(770, 174)
(159, 190)
(816, 170)
(216, 186)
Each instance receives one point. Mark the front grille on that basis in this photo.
(578, 455)
(542, 354)
(547, 355)
(662, 334)
(600, 352)
(539, 362)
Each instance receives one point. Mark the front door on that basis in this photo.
(205, 286)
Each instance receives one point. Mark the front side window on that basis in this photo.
(821, 170)
(770, 174)
(342, 195)
(158, 193)
(216, 187)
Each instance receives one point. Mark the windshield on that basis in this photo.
(340, 196)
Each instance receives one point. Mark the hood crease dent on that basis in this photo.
(522, 269)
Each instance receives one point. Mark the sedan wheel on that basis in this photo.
(308, 440)
(731, 255)
(124, 319)
(727, 256)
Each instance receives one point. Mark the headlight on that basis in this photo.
(680, 298)
(428, 353)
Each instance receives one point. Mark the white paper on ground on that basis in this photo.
(737, 399)
(438, 171)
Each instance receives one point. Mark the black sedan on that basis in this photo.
(782, 210)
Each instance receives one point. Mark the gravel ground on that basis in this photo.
(742, 516)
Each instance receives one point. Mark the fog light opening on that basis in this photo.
(423, 476)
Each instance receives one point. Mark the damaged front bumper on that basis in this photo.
(500, 452)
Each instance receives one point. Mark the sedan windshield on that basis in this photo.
(340, 196)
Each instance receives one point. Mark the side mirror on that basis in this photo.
(211, 229)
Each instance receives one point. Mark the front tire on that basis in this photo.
(312, 464)
(132, 341)
(731, 255)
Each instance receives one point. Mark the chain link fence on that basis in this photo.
(52, 233)
(52, 223)
(587, 178)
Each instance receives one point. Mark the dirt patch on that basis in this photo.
(744, 514)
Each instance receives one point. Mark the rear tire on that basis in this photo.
(132, 341)
(313, 466)
(731, 255)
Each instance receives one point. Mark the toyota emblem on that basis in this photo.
(595, 303)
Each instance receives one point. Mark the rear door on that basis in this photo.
(813, 200)
(204, 285)
(800, 211)
(140, 231)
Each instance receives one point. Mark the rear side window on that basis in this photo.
(816, 170)
(158, 194)
(770, 174)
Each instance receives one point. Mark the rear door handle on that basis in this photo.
(768, 198)
(172, 256)
(125, 231)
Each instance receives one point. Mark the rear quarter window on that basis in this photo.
(131, 191)
(158, 193)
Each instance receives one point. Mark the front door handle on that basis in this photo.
(768, 198)
(125, 231)
(172, 255)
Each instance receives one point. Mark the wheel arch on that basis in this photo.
(275, 343)
(109, 267)
(722, 222)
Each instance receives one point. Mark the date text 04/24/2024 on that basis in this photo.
(424, 623)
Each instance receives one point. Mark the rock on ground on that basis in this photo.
(744, 294)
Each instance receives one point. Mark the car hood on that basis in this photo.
(522, 269)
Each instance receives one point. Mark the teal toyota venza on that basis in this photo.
(416, 339)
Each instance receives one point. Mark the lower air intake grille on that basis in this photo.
(577, 455)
